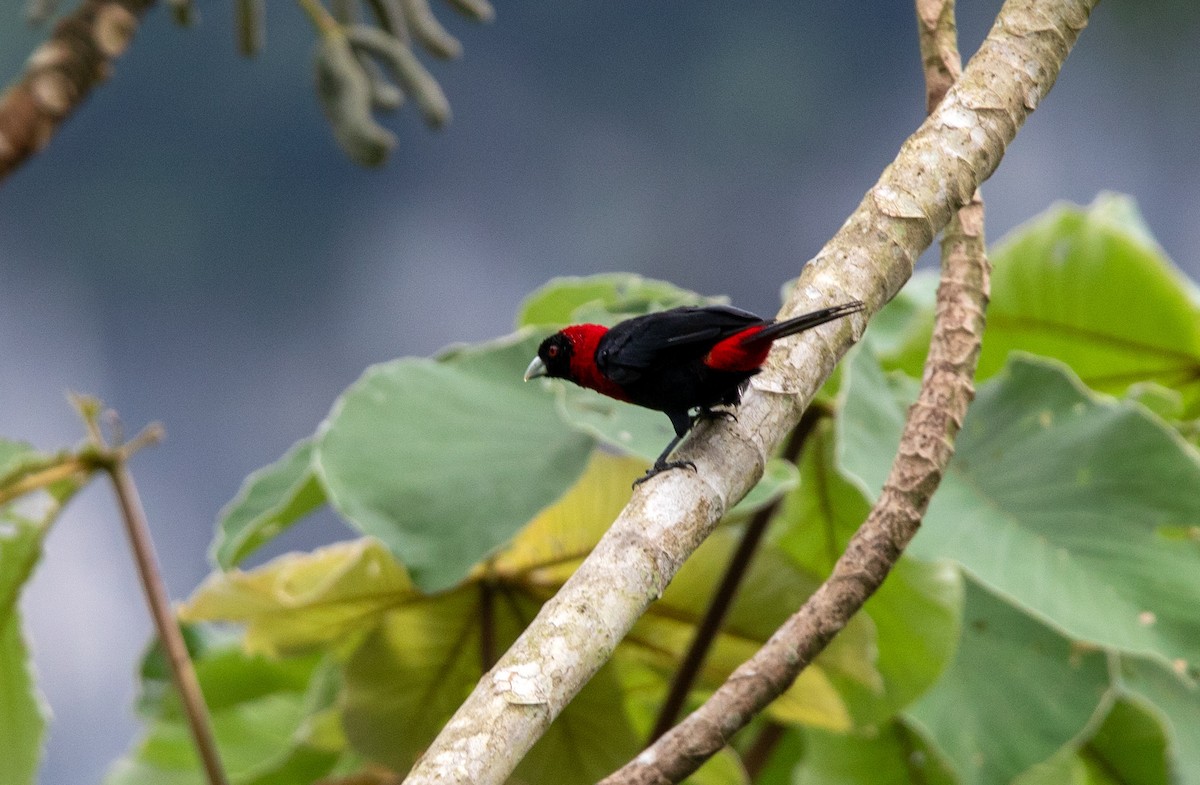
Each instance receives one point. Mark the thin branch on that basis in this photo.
(869, 259)
(61, 73)
(113, 461)
(722, 599)
(926, 447)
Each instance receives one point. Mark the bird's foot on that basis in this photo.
(658, 468)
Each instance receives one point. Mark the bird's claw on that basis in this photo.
(658, 468)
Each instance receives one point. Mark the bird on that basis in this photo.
(683, 362)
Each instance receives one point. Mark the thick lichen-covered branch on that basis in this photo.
(61, 73)
(936, 172)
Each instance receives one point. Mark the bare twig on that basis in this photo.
(722, 599)
(926, 446)
(114, 461)
(869, 259)
(61, 73)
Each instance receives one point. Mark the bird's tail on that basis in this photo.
(806, 321)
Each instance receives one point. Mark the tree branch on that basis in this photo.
(872, 255)
(61, 73)
(926, 447)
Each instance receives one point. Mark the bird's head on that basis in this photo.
(568, 354)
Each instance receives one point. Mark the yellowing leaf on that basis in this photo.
(303, 600)
(549, 549)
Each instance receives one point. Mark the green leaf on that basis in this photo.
(771, 591)
(779, 477)
(413, 672)
(1017, 692)
(917, 611)
(417, 448)
(1175, 702)
(20, 550)
(1090, 287)
(630, 429)
(23, 712)
(1057, 498)
(301, 601)
(724, 768)
(907, 320)
(264, 713)
(12, 455)
(270, 500)
(603, 299)
(892, 755)
(1131, 744)
(1129, 748)
(783, 757)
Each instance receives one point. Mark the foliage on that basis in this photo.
(1040, 629)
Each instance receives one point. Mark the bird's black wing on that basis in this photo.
(654, 340)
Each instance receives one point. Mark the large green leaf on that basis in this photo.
(445, 460)
(1057, 498)
(1090, 287)
(1016, 693)
(916, 612)
(270, 500)
(271, 719)
(22, 712)
(894, 754)
(300, 601)
(410, 675)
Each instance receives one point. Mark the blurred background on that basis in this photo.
(194, 249)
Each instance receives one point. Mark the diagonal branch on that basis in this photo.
(61, 73)
(926, 447)
(872, 255)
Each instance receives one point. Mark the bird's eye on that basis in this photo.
(552, 351)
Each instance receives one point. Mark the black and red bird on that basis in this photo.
(680, 361)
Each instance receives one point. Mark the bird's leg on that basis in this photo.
(683, 423)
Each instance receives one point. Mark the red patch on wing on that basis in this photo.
(585, 338)
(738, 353)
